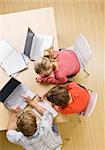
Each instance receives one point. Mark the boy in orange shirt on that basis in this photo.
(70, 99)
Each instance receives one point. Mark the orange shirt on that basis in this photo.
(80, 98)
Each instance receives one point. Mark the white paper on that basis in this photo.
(10, 60)
(5, 49)
(26, 58)
(14, 63)
(48, 107)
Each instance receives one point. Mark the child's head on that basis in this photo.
(58, 95)
(43, 66)
(48, 52)
(26, 123)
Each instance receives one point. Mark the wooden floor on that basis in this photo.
(73, 17)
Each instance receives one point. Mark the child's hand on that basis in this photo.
(38, 98)
(38, 79)
(15, 108)
(27, 99)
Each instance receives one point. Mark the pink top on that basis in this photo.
(68, 64)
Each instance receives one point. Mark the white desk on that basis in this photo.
(13, 27)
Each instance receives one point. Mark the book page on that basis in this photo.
(26, 59)
(5, 50)
(40, 43)
(14, 63)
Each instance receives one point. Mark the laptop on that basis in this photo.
(11, 93)
(36, 43)
(28, 42)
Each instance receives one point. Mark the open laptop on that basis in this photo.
(28, 42)
(36, 43)
(11, 93)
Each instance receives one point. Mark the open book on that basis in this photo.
(10, 60)
(36, 43)
(48, 107)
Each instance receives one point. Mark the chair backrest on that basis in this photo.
(91, 104)
(82, 49)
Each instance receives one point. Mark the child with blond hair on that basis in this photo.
(55, 66)
(30, 135)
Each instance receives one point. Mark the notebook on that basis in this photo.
(11, 93)
(10, 60)
(36, 43)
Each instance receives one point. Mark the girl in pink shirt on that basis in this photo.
(56, 66)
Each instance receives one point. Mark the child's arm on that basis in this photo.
(52, 80)
(57, 81)
(13, 118)
(12, 122)
(34, 104)
(12, 135)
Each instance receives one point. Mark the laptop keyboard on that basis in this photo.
(15, 97)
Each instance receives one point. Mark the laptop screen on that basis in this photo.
(28, 42)
(8, 89)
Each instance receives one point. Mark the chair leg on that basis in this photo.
(86, 72)
(79, 120)
(66, 139)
